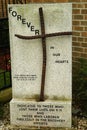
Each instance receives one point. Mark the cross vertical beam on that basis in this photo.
(44, 54)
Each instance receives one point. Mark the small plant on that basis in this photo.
(80, 86)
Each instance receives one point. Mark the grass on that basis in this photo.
(4, 79)
(5, 95)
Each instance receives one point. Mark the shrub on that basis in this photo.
(80, 86)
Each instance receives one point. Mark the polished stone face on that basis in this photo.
(27, 55)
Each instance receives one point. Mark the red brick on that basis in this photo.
(84, 44)
(81, 5)
(76, 54)
(28, 1)
(79, 17)
(83, 55)
(48, 0)
(36, 1)
(74, 0)
(85, 39)
(85, 50)
(84, 34)
(83, 0)
(61, 0)
(76, 33)
(78, 28)
(85, 17)
(80, 39)
(75, 6)
(74, 38)
(84, 11)
(76, 22)
(85, 5)
(83, 22)
(85, 28)
(76, 11)
(78, 49)
(76, 44)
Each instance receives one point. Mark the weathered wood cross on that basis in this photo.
(43, 36)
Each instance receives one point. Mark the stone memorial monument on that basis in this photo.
(41, 61)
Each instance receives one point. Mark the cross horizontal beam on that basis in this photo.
(41, 36)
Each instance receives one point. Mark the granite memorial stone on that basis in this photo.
(41, 61)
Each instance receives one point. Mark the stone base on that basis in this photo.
(40, 114)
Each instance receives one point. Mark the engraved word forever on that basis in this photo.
(43, 37)
(23, 21)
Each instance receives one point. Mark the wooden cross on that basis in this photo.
(43, 36)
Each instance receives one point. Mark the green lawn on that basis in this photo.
(4, 78)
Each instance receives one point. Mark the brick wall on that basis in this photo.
(79, 26)
(79, 30)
